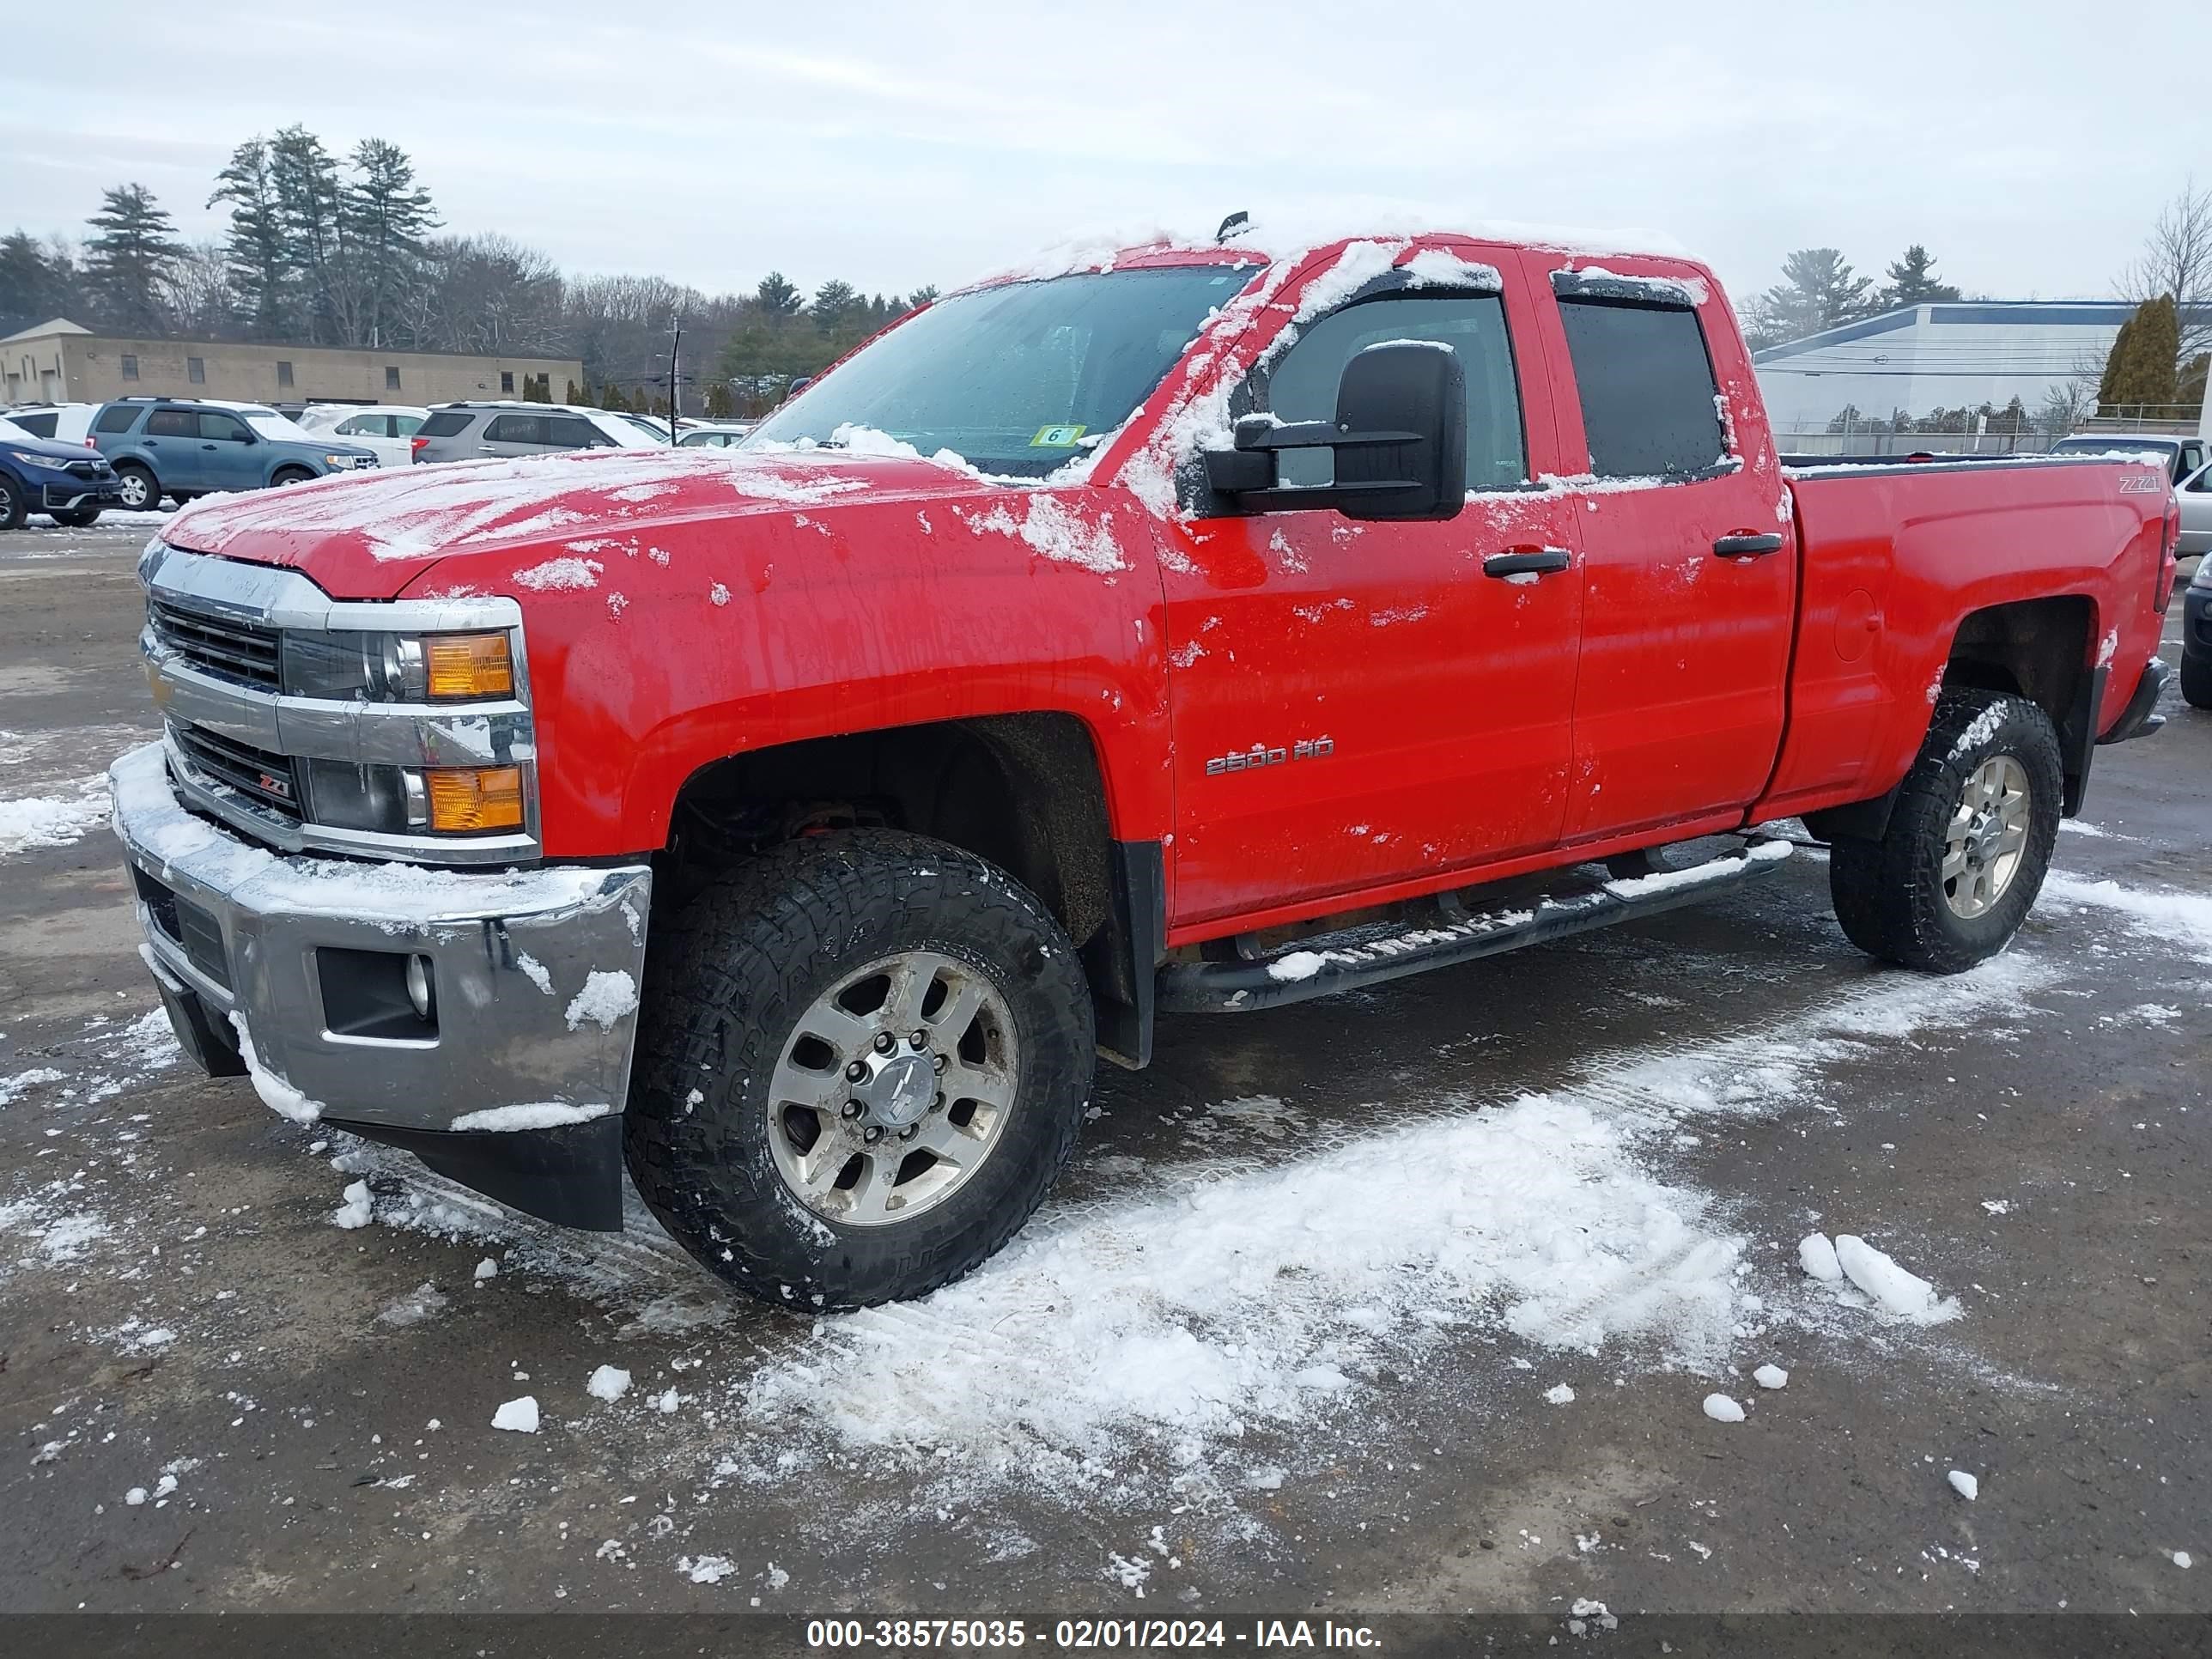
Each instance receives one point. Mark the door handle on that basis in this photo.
(1528, 562)
(1745, 544)
(486, 449)
(207, 445)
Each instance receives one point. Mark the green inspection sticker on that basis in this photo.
(1056, 437)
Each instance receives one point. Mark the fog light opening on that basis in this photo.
(421, 988)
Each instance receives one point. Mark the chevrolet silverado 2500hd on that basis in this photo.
(1193, 630)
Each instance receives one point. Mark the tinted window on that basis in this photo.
(174, 423)
(517, 430)
(571, 431)
(222, 428)
(39, 426)
(1647, 388)
(1302, 386)
(117, 417)
(447, 423)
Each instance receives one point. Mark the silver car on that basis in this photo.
(470, 432)
(2195, 493)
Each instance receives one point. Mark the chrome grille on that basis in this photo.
(226, 648)
(265, 779)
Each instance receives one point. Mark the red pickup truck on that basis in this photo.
(1193, 630)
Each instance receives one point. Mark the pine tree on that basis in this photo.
(1912, 282)
(128, 257)
(258, 247)
(35, 286)
(2139, 374)
(777, 297)
(383, 218)
(574, 397)
(920, 297)
(1818, 291)
(306, 181)
(834, 307)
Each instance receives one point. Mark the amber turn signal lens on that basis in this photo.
(468, 665)
(469, 802)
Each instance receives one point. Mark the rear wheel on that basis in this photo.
(2197, 680)
(14, 510)
(141, 491)
(1969, 839)
(864, 1060)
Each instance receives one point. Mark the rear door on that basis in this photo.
(516, 435)
(1360, 705)
(1688, 559)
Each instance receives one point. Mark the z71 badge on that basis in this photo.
(2142, 483)
(1259, 754)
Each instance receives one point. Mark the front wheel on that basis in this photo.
(864, 1060)
(1969, 839)
(76, 518)
(289, 475)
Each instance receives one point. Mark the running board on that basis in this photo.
(1371, 955)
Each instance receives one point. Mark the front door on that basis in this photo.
(1689, 559)
(228, 454)
(1360, 705)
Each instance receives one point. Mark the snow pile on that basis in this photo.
(358, 1209)
(1722, 1409)
(520, 1415)
(1818, 1258)
(424, 1302)
(1533, 1216)
(1559, 1394)
(1897, 1291)
(53, 820)
(1964, 1485)
(707, 1570)
(1770, 1377)
(608, 1384)
(1436, 267)
(607, 996)
(2182, 919)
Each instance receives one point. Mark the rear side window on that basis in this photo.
(1648, 393)
(403, 426)
(174, 423)
(1302, 386)
(517, 430)
(39, 426)
(447, 423)
(118, 417)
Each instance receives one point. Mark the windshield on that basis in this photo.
(1021, 378)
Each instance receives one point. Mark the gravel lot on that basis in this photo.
(1298, 1334)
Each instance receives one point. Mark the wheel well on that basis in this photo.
(1023, 791)
(2038, 649)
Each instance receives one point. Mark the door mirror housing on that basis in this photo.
(1399, 438)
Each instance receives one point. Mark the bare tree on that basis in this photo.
(2177, 259)
(201, 296)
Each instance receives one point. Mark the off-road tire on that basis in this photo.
(2197, 681)
(131, 473)
(14, 513)
(729, 973)
(1889, 894)
(76, 518)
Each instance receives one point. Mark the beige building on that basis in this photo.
(60, 362)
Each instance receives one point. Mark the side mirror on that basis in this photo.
(1400, 439)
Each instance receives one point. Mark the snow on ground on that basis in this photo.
(53, 820)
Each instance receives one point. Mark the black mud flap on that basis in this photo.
(209, 1043)
(570, 1176)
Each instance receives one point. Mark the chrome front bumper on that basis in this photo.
(536, 976)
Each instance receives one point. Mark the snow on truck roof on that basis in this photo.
(1275, 238)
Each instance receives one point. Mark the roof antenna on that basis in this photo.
(1235, 224)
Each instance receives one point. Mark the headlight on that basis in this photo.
(362, 667)
(45, 462)
(337, 461)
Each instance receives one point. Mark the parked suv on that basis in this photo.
(66, 482)
(469, 432)
(188, 446)
(387, 429)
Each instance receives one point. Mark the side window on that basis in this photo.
(516, 429)
(447, 423)
(1302, 385)
(569, 432)
(174, 423)
(222, 428)
(116, 417)
(1647, 385)
(405, 426)
(2192, 457)
(356, 425)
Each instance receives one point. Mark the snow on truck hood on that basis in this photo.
(367, 535)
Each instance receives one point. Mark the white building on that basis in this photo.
(1948, 356)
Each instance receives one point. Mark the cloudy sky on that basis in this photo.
(2029, 145)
